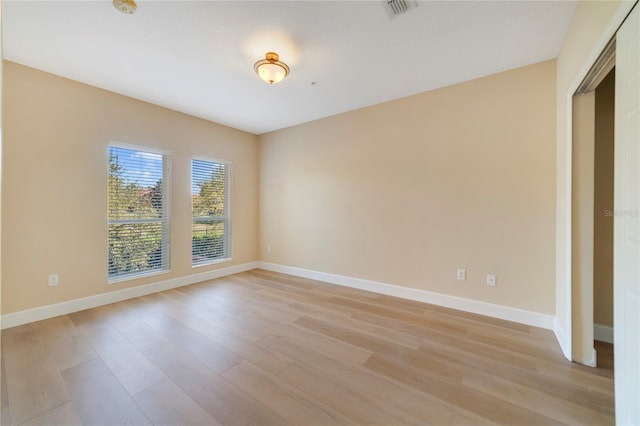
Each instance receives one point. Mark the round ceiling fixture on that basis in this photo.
(125, 6)
(271, 69)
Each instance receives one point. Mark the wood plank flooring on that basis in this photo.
(261, 348)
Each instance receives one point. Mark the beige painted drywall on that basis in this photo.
(54, 200)
(593, 23)
(407, 191)
(582, 227)
(603, 202)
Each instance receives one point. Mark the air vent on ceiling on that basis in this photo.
(398, 7)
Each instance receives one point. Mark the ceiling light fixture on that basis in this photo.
(125, 6)
(271, 69)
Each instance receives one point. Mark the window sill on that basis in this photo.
(137, 276)
(211, 262)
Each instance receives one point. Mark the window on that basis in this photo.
(138, 212)
(211, 206)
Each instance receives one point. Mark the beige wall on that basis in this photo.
(407, 191)
(603, 202)
(54, 200)
(593, 24)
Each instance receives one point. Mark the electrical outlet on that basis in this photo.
(268, 249)
(461, 274)
(491, 280)
(54, 279)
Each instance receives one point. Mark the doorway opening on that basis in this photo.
(603, 213)
(592, 214)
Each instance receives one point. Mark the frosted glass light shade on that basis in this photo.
(125, 6)
(271, 69)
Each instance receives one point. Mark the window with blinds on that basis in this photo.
(211, 207)
(138, 212)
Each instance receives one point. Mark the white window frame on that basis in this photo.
(166, 214)
(227, 219)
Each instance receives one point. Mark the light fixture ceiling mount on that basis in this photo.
(271, 69)
(125, 6)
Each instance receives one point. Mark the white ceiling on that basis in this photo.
(197, 56)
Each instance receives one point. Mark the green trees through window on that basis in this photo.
(138, 212)
(211, 206)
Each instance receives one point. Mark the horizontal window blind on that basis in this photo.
(211, 207)
(138, 213)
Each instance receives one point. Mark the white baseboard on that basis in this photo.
(49, 311)
(593, 362)
(474, 306)
(589, 358)
(603, 333)
(521, 316)
(563, 341)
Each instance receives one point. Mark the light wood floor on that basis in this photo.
(262, 348)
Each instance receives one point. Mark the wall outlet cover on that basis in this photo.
(54, 279)
(491, 280)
